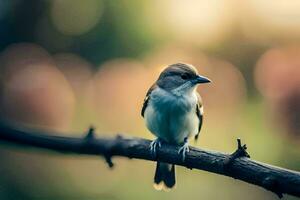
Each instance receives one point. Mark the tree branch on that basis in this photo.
(236, 165)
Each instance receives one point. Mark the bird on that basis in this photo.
(173, 112)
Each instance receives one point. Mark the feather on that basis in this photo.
(199, 112)
(146, 100)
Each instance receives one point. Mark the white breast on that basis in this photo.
(170, 117)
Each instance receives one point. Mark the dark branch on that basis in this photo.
(236, 165)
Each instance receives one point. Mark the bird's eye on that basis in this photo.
(184, 76)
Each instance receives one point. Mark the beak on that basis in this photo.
(201, 79)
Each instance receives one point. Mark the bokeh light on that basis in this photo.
(78, 72)
(72, 17)
(198, 22)
(277, 72)
(277, 77)
(34, 91)
(17, 56)
(121, 86)
(48, 36)
(265, 20)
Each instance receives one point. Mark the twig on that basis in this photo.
(236, 165)
(239, 153)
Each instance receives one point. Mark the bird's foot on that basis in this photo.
(184, 149)
(154, 145)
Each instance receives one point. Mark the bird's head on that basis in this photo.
(180, 79)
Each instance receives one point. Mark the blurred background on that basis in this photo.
(67, 64)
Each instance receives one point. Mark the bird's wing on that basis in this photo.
(199, 113)
(146, 100)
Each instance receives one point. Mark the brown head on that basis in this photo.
(180, 77)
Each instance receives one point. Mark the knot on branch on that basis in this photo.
(271, 183)
(90, 134)
(109, 149)
(241, 151)
(119, 136)
(108, 160)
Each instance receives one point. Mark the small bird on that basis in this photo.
(173, 112)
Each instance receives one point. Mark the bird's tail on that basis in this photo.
(164, 176)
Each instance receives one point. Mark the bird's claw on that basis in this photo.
(154, 145)
(183, 150)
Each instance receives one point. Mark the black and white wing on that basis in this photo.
(147, 98)
(199, 113)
